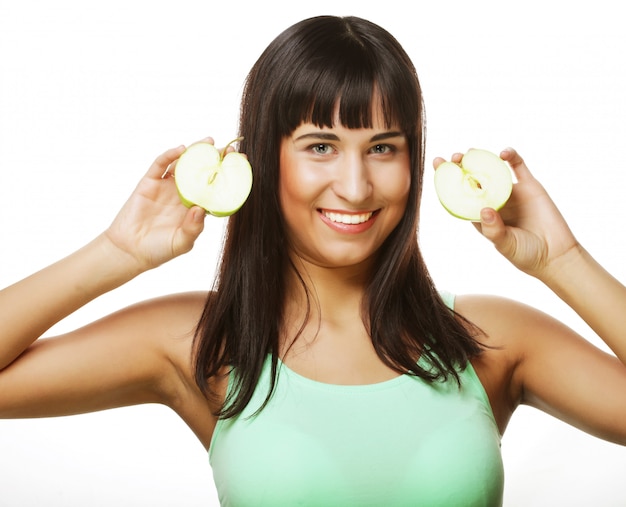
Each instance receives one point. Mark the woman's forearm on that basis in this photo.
(31, 306)
(594, 294)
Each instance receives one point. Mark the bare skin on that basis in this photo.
(542, 362)
(142, 354)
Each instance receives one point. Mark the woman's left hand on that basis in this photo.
(529, 230)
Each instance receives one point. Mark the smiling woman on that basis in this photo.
(345, 84)
(325, 366)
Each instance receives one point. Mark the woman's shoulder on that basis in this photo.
(170, 321)
(501, 314)
(167, 322)
(507, 327)
(164, 324)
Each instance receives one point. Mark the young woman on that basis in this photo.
(325, 368)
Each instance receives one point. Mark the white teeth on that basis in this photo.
(348, 219)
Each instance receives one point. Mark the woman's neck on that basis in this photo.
(324, 334)
(330, 293)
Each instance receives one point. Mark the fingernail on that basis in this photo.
(198, 214)
(487, 216)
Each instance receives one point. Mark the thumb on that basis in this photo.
(191, 228)
(492, 227)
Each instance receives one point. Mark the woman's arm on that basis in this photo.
(122, 351)
(598, 297)
(30, 307)
(553, 368)
(538, 361)
(140, 354)
(532, 234)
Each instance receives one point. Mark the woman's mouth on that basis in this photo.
(347, 218)
(353, 223)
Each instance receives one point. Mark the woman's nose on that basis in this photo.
(352, 182)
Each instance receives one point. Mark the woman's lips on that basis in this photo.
(349, 222)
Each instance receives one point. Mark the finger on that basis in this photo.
(192, 226)
(163, 161)
(516, 162)
(209, 140)
(438, 161)
(492, 227)
(456, 158)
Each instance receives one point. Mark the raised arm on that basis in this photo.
(532, 234)
(553, 368)
(151, 228)
(97, 366)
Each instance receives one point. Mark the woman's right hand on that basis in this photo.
(154, 226)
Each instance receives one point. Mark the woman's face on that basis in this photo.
(342, 191)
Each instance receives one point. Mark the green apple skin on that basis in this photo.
(218, 183)
(481, 180)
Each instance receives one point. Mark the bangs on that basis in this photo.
(345, 79)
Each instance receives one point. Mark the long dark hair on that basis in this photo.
(301, 77)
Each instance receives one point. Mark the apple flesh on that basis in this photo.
(217, 181)
(481, 180)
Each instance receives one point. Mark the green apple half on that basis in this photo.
(481, 180)
(217, 181)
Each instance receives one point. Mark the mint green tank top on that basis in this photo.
(402, 442)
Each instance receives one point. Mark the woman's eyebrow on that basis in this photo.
(386, 135)
(318, 135)
(327, 136)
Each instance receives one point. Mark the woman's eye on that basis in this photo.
(382, 149)
(321, 149)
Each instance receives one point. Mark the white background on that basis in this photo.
(91, 92)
